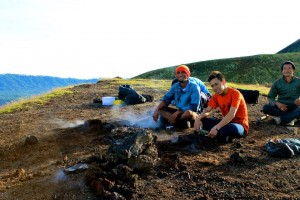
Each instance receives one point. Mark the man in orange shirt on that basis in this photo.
(231, 104)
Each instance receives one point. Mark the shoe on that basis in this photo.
(229, 139)
(162, 123)
(291, 123)
(184, 124)
(277, 120)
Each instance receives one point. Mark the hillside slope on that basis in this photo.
(15, 86)
(261, 69)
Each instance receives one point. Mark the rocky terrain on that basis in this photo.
(74, 148)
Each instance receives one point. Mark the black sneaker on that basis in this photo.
(183, 124)
(163, 123)
(229, 139)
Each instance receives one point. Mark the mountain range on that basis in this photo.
(16, 86)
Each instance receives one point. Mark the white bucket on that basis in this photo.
(108, 101)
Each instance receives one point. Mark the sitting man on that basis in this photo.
(232, 105)
(284, 96)
(204, 93)
(187, 101)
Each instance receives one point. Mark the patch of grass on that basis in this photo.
(140, 83)
(261, 88)
(25, 104)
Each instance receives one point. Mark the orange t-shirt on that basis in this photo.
(235, 99)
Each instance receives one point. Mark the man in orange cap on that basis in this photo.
(186, 95)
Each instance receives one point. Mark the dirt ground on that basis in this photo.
(36, 169)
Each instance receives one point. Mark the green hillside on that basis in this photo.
(257, 69)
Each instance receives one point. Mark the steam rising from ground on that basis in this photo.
(60, 176)
(127, 117)
(143, 120)
(67, 124)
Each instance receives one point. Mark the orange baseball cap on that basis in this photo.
(183, 68)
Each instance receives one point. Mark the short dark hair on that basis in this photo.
(216, 74)
(288, 62)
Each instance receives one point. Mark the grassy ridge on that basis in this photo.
(257, 69)
(27, 103)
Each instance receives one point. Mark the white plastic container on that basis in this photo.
(108, 101)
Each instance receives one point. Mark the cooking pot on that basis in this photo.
(108, 101)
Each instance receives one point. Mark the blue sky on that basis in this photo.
(97, 38)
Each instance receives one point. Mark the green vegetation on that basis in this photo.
(257, 69)
(140, 83)
(25, 104)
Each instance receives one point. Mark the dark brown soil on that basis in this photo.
(35, 170)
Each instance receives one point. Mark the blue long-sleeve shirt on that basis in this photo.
(202, 86)
(185, 99)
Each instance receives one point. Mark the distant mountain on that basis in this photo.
(16, 86)
(294, 47)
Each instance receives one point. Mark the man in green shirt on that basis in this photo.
(284, 96)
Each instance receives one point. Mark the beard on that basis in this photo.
(182, 80)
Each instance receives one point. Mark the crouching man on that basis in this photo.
(186, 95)
(284, 96)
(232, 105)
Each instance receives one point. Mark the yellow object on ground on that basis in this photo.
(118, 103)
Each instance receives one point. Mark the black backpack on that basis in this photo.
(130, 96)
(250, 96)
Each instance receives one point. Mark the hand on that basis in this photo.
(213, 132)
(194, 115)
(297, 102)
(198, 124)
(155, 115)
(281, 106)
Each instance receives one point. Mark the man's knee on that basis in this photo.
(189, 115)
(266, 108)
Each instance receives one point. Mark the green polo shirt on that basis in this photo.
(284, 92)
